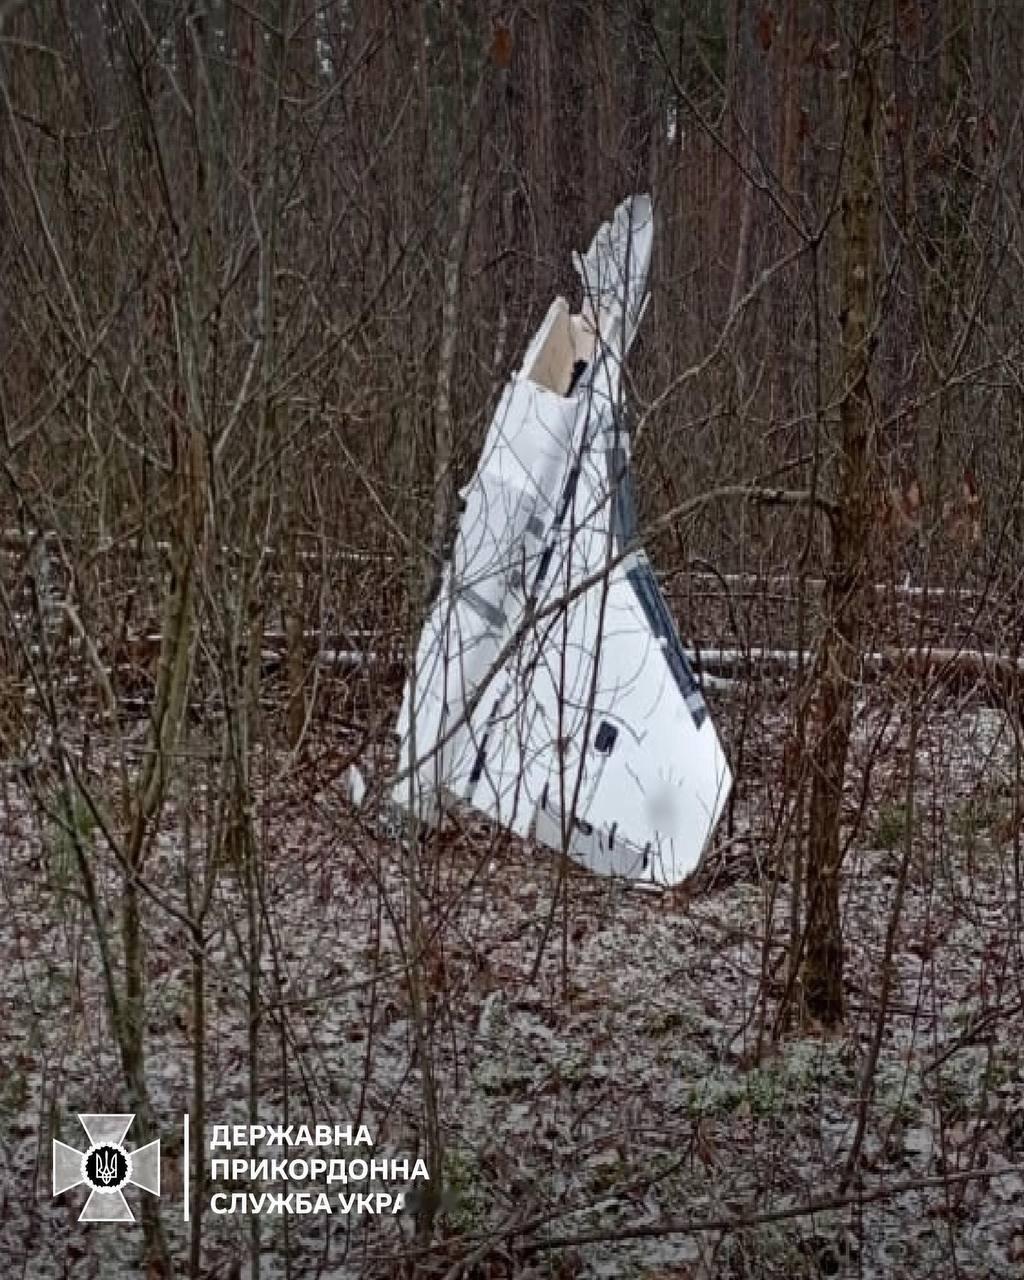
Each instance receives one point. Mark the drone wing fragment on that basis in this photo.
(550, 688)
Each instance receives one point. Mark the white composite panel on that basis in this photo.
(580, 720)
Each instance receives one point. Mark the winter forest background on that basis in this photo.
(264, 269)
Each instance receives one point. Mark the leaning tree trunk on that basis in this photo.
(839, 654)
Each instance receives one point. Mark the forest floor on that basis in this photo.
(612, 1099)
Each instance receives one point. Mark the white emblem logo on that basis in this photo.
(106, 1167)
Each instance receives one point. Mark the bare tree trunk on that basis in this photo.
(845, 595)
(295, 644)
(444, 425)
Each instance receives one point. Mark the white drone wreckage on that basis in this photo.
(550, 689)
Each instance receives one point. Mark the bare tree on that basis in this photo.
(847, 580)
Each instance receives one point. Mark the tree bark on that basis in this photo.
(845, 592)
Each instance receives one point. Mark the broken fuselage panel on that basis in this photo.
(550, 688)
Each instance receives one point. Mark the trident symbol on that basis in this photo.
(106, 1171)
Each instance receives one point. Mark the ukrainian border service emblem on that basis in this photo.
(106, 1167)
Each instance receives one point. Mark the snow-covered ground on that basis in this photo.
(612, 1100)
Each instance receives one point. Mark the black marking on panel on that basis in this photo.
(545, 565)
(476, 773)
(491, 614)
(568, 493)
(620, 485)
(605, 739)
(648, 593)
(579, 368)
